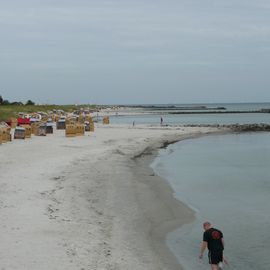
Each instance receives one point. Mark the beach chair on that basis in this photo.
(70, 130)
(19, 133)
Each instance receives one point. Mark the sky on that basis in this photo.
(130, 52)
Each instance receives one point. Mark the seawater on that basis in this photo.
(228, 118)
(226, 180)
(186, 119)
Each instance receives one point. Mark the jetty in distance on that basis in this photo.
(196, 109)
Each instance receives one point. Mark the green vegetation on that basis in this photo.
(8, 111)
(12, 109)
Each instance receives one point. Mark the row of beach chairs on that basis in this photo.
(24, 131)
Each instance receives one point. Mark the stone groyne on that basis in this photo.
(236, 127)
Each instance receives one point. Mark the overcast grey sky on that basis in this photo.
(127, 51)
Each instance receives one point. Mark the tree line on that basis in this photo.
(18, 103)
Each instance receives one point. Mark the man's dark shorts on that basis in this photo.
(215, 257)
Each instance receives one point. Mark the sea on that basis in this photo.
(197, 118)
(225, 179)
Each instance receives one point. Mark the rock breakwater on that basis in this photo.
(237, 127)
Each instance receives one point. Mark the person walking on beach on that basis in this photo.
(213, 241)
(161, 121)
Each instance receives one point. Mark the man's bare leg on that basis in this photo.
(214, 267)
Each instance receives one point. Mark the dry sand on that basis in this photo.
(89, 202)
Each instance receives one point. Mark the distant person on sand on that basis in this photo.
(213, 240)
(133, 124)
(161, 121)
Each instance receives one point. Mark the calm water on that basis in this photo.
(225, 179)
(203, 118)
(194, 119)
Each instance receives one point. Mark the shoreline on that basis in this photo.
(177, 212)
(183, 241)
(167, 214)
(99, 206)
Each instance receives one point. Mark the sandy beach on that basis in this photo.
(89, 202)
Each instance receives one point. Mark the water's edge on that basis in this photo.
(182, 214)
(185, 227)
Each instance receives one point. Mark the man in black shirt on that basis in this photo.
(213, 240)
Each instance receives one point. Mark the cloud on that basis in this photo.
(153, 40)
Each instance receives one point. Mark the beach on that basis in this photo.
(125, 125)
(90, 202)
